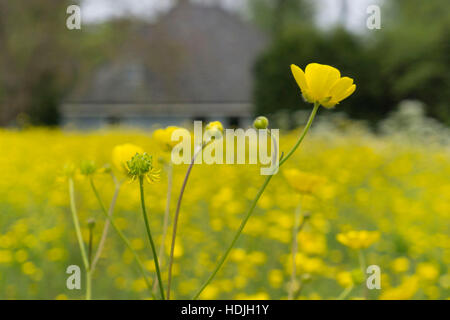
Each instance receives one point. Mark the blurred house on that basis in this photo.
(194, 63)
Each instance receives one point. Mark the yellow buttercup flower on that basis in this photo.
(122, 153)
(427, 271)
(358, 239)
(323, 84)
(213, 130)
(215, 125)
(303, 182)
(164, 137)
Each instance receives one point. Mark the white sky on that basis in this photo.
(328, 10)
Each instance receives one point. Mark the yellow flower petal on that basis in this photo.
(349, 92)
(322, 84)
(299, 77)
(340, 88)
(320, 78)
(122, 153)
(164, 137)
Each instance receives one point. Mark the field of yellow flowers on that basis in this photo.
(355, 199)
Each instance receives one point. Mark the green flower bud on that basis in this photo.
(261, 123)
(140, 164)
(91, 223)
(69, 170)
(107, 168)
(87, 167)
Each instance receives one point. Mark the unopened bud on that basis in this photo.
(140, 165)
(214, 129)
(87, 167)
(91, 223)
(261, 123)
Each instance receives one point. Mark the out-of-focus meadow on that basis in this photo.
(394, 184)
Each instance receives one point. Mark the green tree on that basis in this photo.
(407, 59)
(278, 16)
(275, 88)
(416, 53)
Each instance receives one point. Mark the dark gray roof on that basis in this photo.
(193, 54)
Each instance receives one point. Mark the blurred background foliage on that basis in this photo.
(407, 59)
(40, 61)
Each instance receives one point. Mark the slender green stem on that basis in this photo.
(76, 223)
(166, 220)
(177, 215)
(89, 273)
(122, 236)
(152, 244)
(303, 135)
(255, 201)
(88, 285)
(345, 293)
(90, 247)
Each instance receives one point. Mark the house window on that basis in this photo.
(113, 120)
(233, 122)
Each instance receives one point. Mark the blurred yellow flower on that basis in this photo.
(56, 254)
(427, 271)
(210, 292)
(29, 268)
(404, 291)
(256, 296)
(137, 244)
(400, 264)
(345, 279)
(21, 255)
(358, 239)
(123, 153)
(275, 278)
(164, 137)
(5, 256)
(323, 84)
(237, 255)
(139, 285)
(215, 125)
(303, 182)
(215, 129)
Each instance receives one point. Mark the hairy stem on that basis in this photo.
(152, 244)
